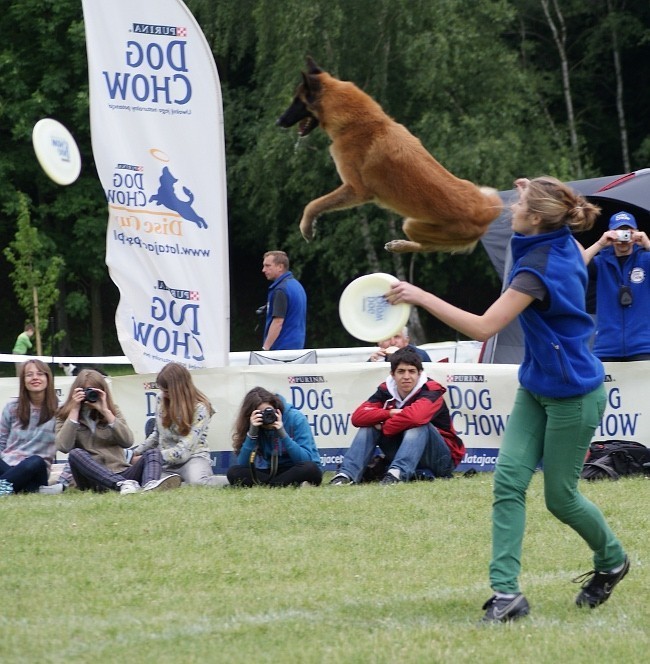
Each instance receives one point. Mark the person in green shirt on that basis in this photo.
(23, 344)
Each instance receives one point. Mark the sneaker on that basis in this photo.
(389, 479)
(503, 609)
(6, 488)
(168, 482)
(598, 586)
(129, 486)
(51, 489)
(340, 480)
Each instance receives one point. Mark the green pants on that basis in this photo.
(557, 431)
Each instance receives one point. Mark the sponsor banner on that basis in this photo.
(157, 136)
(479, 396)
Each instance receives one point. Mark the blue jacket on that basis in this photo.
(622, 331)
(292, 335)
(297, 446)
(557, 360)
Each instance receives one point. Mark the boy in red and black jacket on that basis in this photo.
(408, 419)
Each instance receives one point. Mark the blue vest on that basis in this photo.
(557, 360)
(292, 335)
(622, 331)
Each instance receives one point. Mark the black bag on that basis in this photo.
(615, 458)
(376, 469)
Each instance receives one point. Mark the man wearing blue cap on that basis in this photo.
(621, 269)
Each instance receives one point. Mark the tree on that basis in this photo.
(43, 73)
(480, 82)
(36, 272)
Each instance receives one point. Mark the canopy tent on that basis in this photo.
(629, 192)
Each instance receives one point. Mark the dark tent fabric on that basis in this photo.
(629, 192)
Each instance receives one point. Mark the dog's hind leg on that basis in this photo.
(427, 237)
(340, 199)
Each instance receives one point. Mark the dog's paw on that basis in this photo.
(399, 246)
(307, 230)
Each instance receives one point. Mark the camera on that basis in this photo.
(91, 395)
(623, 236)
(269, 415)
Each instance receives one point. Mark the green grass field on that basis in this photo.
(330, 574)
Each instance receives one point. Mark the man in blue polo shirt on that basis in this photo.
(286, 306)
(621, 268)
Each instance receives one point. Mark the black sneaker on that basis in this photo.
(340, 480)
(502, 609)
(598, 586)
(389, 478)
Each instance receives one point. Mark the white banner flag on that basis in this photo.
(157, 136)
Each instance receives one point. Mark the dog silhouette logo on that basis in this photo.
(167, 196)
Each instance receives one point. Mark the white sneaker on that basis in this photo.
(168, 482)
(51, 489)
(129, 486)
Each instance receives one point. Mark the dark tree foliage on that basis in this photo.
(477, 81)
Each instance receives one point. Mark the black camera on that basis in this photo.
(91, 395)
(269, 415)
(625, 298)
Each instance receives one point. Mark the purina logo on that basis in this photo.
(466, 378)
(293, 380)
(179, 293)
(161, 30)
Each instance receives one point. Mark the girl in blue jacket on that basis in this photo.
(561, 397)
(273, 444)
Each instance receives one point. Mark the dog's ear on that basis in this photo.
(312, 67)
(311, 87)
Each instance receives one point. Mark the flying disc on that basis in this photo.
(56, 151)
(365, 312)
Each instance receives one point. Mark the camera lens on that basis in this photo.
(91, 395)
(268, 415)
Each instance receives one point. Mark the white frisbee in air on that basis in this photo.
(365, 312)
(56, 151)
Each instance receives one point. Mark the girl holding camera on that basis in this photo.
(95, 435)
(273, 443)
(180, 432)
(27, 431)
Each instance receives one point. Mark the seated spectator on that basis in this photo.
(180, 431)
(408, 419)
(27, 431)
(273, 443)
(93, 432)
(400, 340)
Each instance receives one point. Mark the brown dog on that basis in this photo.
(379, 161)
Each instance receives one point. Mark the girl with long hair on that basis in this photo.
(561, 398)
(92, 430)
(180, 432)
(27, 430)
(273, 444)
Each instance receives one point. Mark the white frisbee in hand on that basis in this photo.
(56, 151)
(365, 312)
